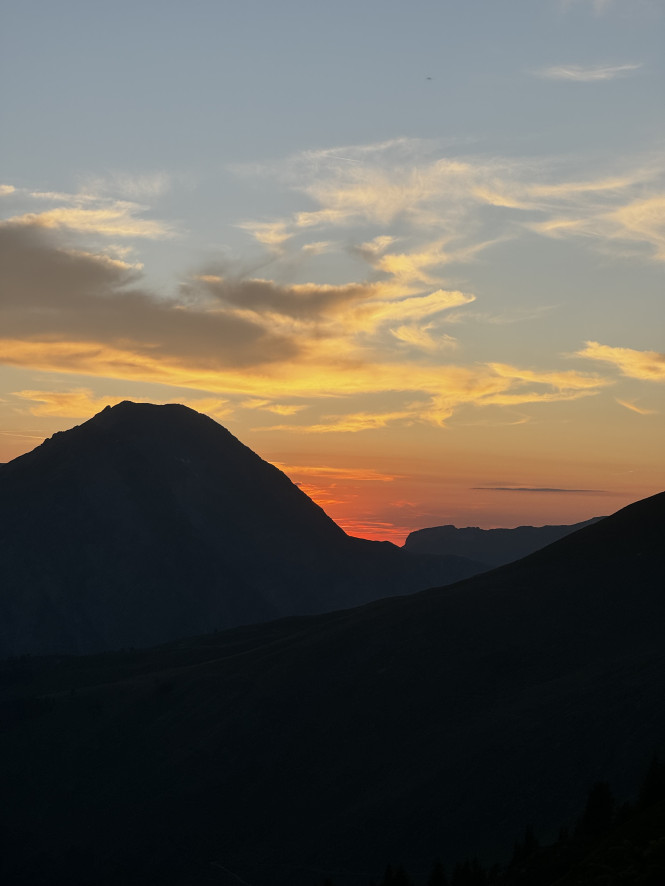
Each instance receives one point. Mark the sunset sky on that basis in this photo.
(410, 252)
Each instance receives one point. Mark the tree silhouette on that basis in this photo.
(652, 788)
(437, 876)
(598, 814)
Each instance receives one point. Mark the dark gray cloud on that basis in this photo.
(543, 489)
(49, 292)
(305, 302)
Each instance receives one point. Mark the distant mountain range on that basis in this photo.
(435, 725)
(150, 523)
(492, 547)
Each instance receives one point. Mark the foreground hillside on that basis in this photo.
(150, 523)
(430, 726)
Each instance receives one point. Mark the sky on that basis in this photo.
(412, 253)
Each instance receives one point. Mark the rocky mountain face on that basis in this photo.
(493, 547)
(435, 725)
(149, 523)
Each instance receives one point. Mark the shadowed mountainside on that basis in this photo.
(149, 523)
(430, 726)
(493, 547)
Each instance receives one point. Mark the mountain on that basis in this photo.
(149, 523)
(493, 547)
(435, 725)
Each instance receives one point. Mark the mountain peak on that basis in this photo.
(130, 410)
(151, 522)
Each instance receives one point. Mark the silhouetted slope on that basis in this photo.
(494, 547)
(434, 725)
(149, 523)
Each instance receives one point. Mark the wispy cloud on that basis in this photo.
(633, 407)
(106, 207)
(271, 234)
(638, 221)
(77, 403)
(424, 337)
(118, 219)
(133, 186)
(81, 403)
(543, 489)
(336, 473)
(6, 190)
(587, 74)
(351, 423)
(270, 406)
(644, 365)
(399, 192)
(641, 220)
(598, 6)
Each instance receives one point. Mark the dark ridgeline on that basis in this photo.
(150, 523)
(436, 725)
(493, 547)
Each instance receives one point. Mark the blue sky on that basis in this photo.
(425, 235)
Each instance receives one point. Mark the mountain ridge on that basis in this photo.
(494, 547)
(147, 523)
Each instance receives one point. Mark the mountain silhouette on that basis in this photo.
(493, 547)
(148, 523)
(435, 725)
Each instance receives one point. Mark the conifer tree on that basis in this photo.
(437, 876)
(653, 786)
(598, 814)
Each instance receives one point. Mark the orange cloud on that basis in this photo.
(336, 473)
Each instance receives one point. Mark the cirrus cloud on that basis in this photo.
(644, 365)
(587, 74)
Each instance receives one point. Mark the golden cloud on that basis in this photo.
(271, 234)
(561, 380)
(422, 338)
(642, 220)
(269, 406)
(80, 313)
(117, 220)
(373, 313)
(640, 410)
(77, 403)
(645, 365)
(81, 403)
(350, 423)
